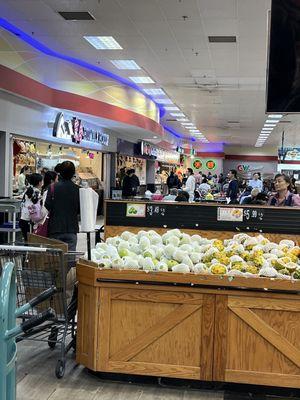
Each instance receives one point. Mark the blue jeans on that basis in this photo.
(69, 238)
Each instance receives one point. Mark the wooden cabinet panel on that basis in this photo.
(162, 333)
(257, 340)
(86, 341)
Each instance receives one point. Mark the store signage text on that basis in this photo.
(149, 150)
(244, 168)
(75, 131)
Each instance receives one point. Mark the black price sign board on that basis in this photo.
(204, 217)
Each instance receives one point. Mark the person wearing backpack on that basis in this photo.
(283, 196)
(31, 208)
(172, 181)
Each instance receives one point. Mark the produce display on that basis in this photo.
(175, 251)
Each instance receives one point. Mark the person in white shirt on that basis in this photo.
(190, 183)
(255, 182)
(22, 178)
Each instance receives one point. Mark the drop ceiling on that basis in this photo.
(220, 87)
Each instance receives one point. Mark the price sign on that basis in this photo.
(253, 214)
(155, 210)
(230, 214)
(136, 210)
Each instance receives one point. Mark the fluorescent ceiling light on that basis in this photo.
(182, 119)
(125, 64)
(187, 124)
(269, 125)
(103, 42)
(141, 79)
(154, 91)
(177, 114)
(275, 116)
(267, 129)
(272, 121)
(164, 101)
(172, 108)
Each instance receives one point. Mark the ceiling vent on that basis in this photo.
(233, 124)
(222, 39)
(76, 15)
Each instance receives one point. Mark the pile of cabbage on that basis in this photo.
(175, 251)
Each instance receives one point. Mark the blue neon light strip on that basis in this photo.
(178, 135)
(49, 52)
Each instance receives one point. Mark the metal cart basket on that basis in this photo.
(37, 269)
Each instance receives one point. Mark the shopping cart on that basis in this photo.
(38, 268)
(9, 330)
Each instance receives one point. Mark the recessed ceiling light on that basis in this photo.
(222, 39)
(172, 108)
(155, 137)
(76, 15)
(141, 79)
(164, 101)
(154, 91)
(269, 125)
(177, 114)
(275, 116)
(272, 121)
(125, 64)
(103, 42)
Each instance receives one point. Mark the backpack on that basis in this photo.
(35, 212)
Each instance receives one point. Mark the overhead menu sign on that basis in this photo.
(75, 131)
(171, 157)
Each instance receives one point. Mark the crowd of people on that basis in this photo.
(279, 192)
(50, 204)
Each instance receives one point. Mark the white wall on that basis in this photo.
(22, 117)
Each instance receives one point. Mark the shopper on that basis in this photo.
(283, 196)
(135, 183)
(172, 196)
(57, 169)
(293, 187)
(63, 206)
(172, 181)
(49, 178)
(204, 187)
(221, 181)
(233, 188)
(198, 178)
(183, 196)
(190, 183)
(30, 207)
(127, 185)
(256, 182)
(22, 179)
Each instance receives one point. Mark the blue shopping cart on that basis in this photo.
(9, 330)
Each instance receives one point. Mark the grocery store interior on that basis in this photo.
(149, 199)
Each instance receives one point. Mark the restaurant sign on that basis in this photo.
(167, 156)
(75, 131)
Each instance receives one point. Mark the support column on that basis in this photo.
(5, 165)
(150, 172)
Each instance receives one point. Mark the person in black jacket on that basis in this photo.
(233, 188)
(172, 181)
(63, 206)
(130, 184)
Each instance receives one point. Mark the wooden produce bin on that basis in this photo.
(188, 326)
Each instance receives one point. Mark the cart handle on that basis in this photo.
(36, 300)
(37, 320)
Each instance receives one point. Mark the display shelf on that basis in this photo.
(197, 327)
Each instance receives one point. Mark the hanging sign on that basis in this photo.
(149, 150)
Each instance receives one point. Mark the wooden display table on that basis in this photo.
(201, 327)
